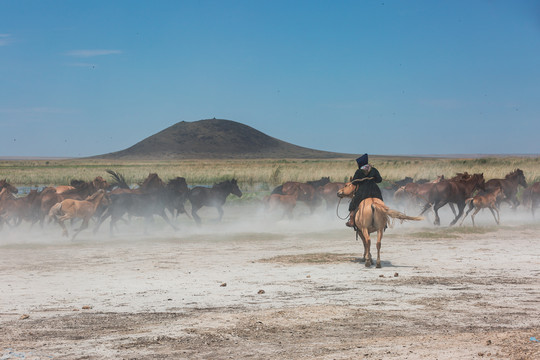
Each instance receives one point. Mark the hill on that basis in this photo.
(215, 138)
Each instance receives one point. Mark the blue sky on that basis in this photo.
(81, 78)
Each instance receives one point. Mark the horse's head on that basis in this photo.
(348, 190)
(152, 182)
(479, 181)
(235, 190)
(9, 188)
(178, 185)
(100, 183)
(520, 177)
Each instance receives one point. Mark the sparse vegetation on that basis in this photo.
(258, 174)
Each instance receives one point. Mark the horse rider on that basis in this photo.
(367, 178)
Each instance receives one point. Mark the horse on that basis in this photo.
(285, 202)
(371, 216)
(414, 191)
(215, 196)
(81, 209)
(18, 209)
(48, 197)
(509, 186)
(328, 193)
(307, 192)
(151, 198)
(179, 190)
(453, 191)
(10, 188)
(531, 197)
(480, 202)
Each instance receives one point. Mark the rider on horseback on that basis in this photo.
(367, 178)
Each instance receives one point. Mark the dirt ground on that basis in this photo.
(256, 287)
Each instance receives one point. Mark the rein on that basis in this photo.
(339, 202)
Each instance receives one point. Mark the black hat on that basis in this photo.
(362, 160)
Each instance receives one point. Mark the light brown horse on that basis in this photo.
(81, 209)
(372, 215)
(484, 201)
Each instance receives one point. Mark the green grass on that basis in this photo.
(260, 174)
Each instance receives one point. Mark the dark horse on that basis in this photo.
(452, 191)
(215, 196)
(509, 186)
(152, 198)
(307, 192)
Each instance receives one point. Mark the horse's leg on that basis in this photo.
(461, 207)
(472, 216)
(167, 220)
(452, 208)
(436, 208)
(367, 254)
(196, 217)
(471, 207)
(379, 240)
(220, 211)
(63, 226)
(363, 259)
(84, 225)
(497, 218)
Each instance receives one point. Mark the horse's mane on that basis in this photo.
(152, 178)
(316, 183)
(516, 172)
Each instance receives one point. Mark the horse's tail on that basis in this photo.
(278, 190)
(55, 211)
(119, 179)
(394, 214)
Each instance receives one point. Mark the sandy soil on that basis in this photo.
(256, 287)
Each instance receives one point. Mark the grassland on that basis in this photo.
(259, 173)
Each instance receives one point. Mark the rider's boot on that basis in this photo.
(350, 223)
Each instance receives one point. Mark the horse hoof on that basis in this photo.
(378, 265)
(368, 263)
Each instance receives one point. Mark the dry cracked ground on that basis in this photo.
(258, 288)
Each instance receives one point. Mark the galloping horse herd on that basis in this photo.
(101, 200)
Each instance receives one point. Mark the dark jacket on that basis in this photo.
(367, 188)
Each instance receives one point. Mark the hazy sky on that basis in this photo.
(80, 78)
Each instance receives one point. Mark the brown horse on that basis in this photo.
(286, 203)
(48, 197)
(509, 186)
(81, 209)
(531, 197)
(328, 193)
(10, 188)
(414, 192)
(16, 209)
(484, 201)
(307, 192)
(372, 215)
(453, 191)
